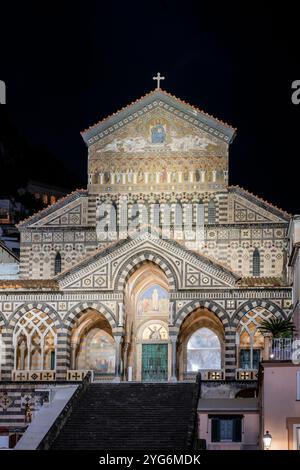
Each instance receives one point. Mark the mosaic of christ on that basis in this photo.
(153, 301)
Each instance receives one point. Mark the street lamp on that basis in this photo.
(267, 438)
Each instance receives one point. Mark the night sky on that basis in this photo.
(67, 66)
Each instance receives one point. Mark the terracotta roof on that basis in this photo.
(50, 207)
(32, 284)
(261, 282)
(152, 93)
(286, 214)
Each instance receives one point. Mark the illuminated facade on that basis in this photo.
(116, 279)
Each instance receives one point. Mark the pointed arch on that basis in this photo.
(75, 313)
(209, 305)
(130, 265)
(34, 341)
(250, 304)
(43, 307)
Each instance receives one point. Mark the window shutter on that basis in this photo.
(215, 430)
(237, 430)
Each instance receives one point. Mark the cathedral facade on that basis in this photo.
(155, 271)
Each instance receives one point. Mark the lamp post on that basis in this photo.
(267, 439)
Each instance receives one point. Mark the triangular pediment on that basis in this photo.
(188, 270)
(248, 208)
(160, 100)
(68, 211)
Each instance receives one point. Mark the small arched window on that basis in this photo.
(211, 215)
(57, 263)
(256, 263)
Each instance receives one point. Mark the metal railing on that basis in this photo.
(281, 349)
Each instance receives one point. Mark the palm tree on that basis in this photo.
(278, 327)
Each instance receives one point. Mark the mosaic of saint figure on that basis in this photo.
(158, 134)
(155, 300)
(155, 333)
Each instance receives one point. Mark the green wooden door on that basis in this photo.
(154, 362)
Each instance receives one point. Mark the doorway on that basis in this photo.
(155, 362)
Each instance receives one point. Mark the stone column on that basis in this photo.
(214, 176)
(169, 176)
(73, 354)
(22, 357)
(146, 178)
(134, 178)
(121, 313)
(7, 355)
(157, 177)
(230, 362)
(179, 176)
(118, 340)
(112, 178)
(171, 313)
(125, 360)
(202, 172)
(173, 377)
(62, 354)
(191, 176)
(267, 346)
(123, 178)
(101, 175)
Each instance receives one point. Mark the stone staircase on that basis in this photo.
(134, 416)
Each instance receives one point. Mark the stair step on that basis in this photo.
(130, 416)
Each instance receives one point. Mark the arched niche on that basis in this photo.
(34, 340)
(201, 327)
(92, 343)
(146, 302)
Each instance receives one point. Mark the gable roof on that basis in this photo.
(53, 207)
(260, 202)
(159, 98)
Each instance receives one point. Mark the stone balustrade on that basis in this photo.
(206, 374)
(246, 374)
(33, 375)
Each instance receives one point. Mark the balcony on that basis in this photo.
(282, 349)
